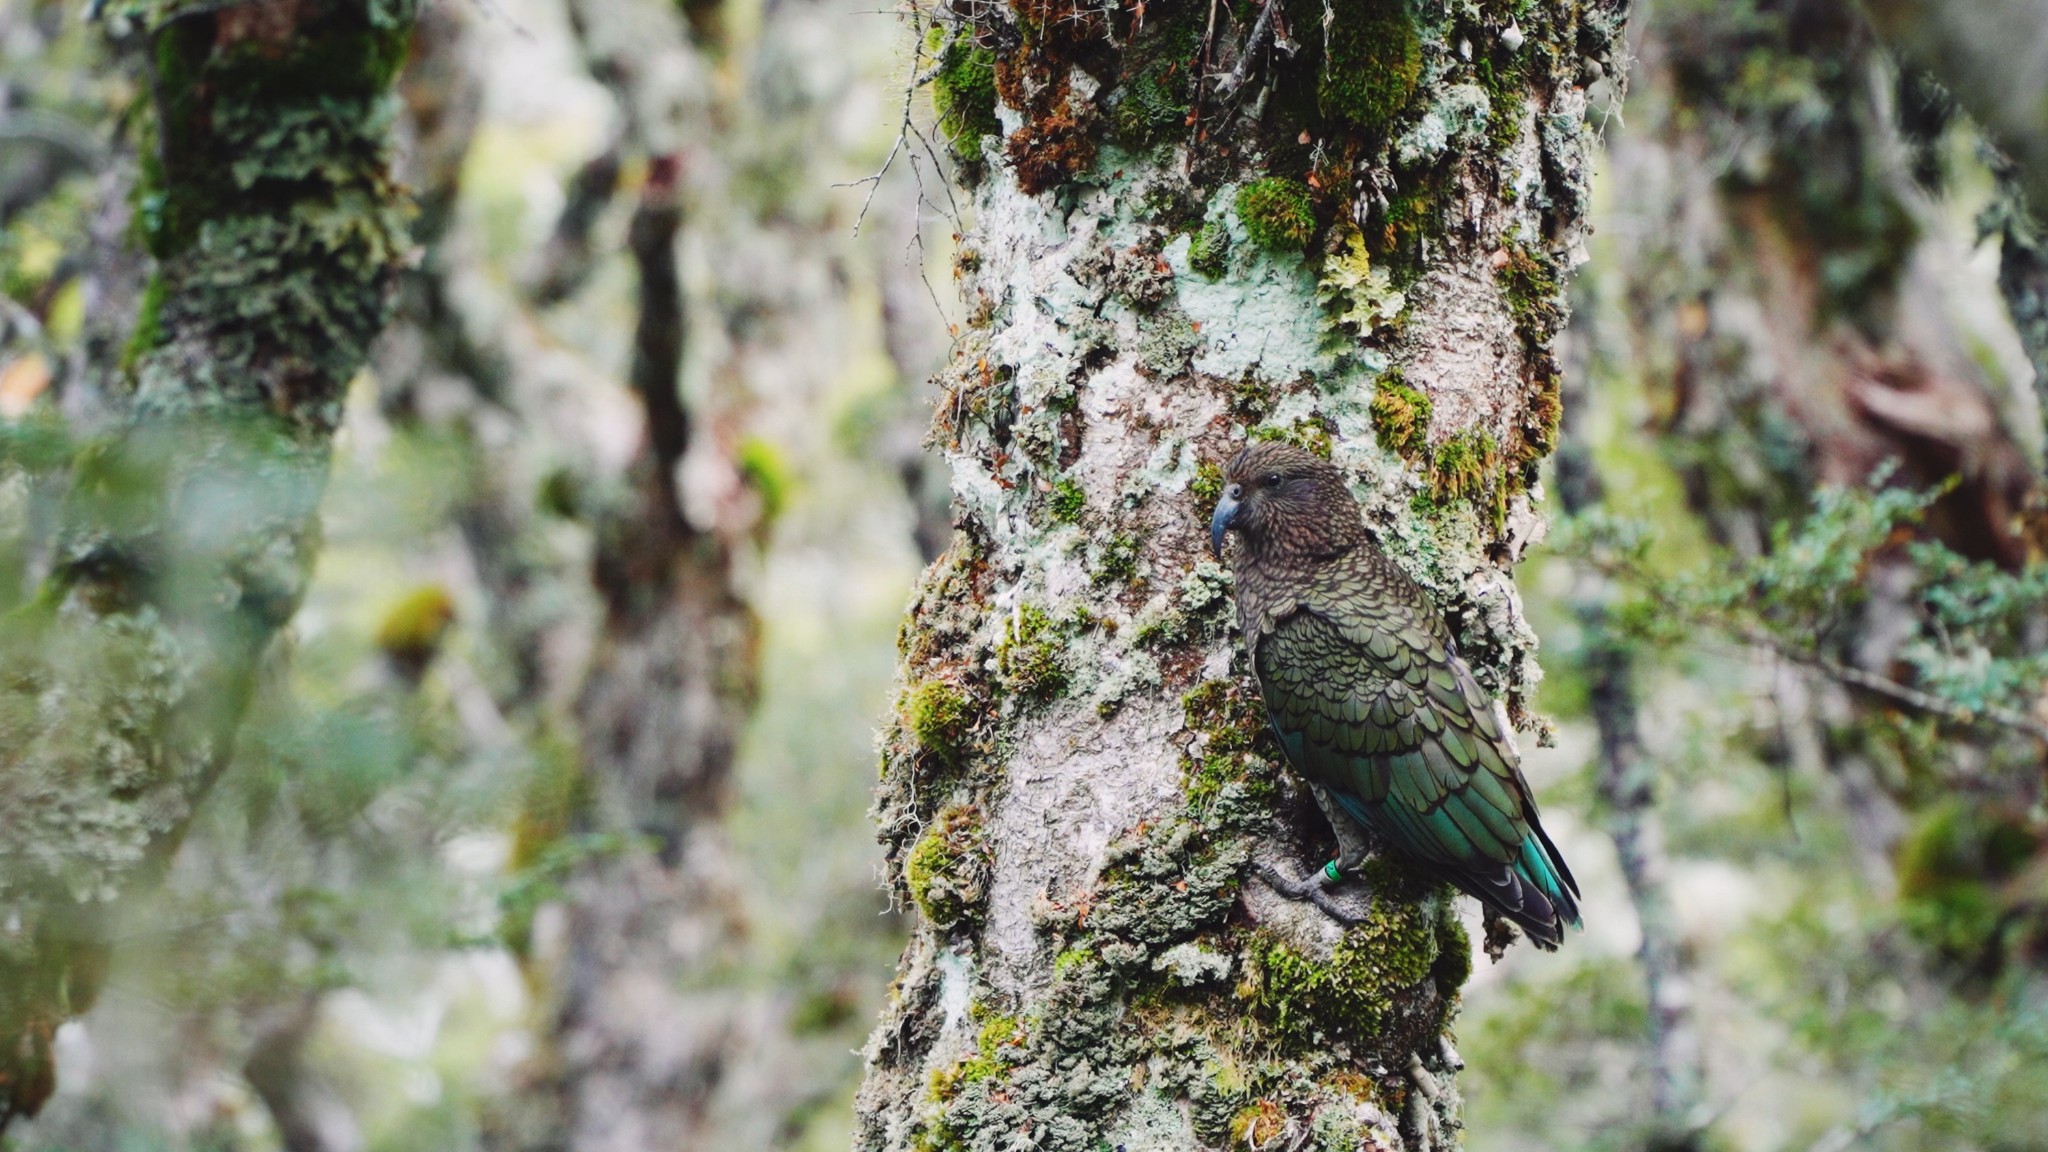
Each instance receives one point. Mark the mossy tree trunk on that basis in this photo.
(190, 531)
(1192, 226)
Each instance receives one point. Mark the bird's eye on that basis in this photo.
(1272, 479)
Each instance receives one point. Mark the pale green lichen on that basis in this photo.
(1166, 341)
(1458, 119)
(1361, 299)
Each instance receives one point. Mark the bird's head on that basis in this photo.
(1278, 495)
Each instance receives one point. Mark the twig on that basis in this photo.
(1893, 690)
(1260, 28)
(908, 131)
(1761, 639)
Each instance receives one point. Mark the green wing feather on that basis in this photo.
(1371, 701)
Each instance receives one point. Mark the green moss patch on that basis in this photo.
(1373, 63)
(947, 870)
(964, 92)
(1382, 986)
(939, 715)
(1400, 417)
(1209, 250)
(1030, 658)
(411, 631)
(1067, 501)
(1277, 213)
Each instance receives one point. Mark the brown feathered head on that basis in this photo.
(1285, 502)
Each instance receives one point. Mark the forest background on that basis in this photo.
(551, 815)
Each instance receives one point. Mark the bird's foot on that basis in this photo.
(1313, 888)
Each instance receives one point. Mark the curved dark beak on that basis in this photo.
(1225, 516)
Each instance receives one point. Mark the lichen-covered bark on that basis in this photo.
(1190, 228)
(189, 533)
(2023, 275)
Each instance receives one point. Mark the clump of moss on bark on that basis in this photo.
(1151, 105)
(1233, 749)
(1388, 985)
(1030, 659)
(947, 870)
(1116, 562)
(1400, 417)
(1503, 83)
(411, 631)
(1067, 501)
(963, 91)
(1277, 213)
(1373, 63)
(938, 714)
(1464, 467)
(1531, 284)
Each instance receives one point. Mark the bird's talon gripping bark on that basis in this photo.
(1312, 888)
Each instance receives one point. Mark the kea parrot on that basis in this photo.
(1370, 701)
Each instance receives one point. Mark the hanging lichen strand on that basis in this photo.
(1346, 227)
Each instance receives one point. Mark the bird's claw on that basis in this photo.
(1310, 888)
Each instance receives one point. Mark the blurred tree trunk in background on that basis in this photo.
(1993, 54)
(189, 534)
(1189, 220)
(636, 1032)
(1803, 302)
(656, 1030)
(1789, 279)
(440, 96)
(1630, 783)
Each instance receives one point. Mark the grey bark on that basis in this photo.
(636, 1037)
(188, 536)
(1076, 784)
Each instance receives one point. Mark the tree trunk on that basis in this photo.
(641, 1024)
(1629, 779)
(1803, 318)
(1195, 225)
(190, 532)
(1994, 55)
